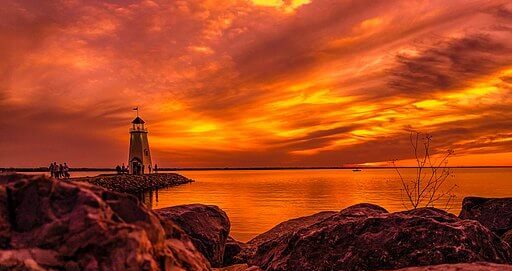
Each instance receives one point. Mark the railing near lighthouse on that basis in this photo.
(138, 129)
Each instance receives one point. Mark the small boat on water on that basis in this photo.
(356, 170)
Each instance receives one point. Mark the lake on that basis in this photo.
(257, 200)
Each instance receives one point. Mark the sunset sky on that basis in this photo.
(225, 83)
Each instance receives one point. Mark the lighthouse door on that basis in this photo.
(136, 165)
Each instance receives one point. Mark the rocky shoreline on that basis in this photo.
(47, 224)
(135, 184)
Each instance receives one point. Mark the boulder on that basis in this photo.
(232, 251)
(494, 213)
(480, 266)
(366, 237)
(183, 254)
(286, 228)
(46, 224)
(207, 225)
(290, 226)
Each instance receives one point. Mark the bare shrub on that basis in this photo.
(428, 187)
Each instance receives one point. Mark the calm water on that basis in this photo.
(255, 201)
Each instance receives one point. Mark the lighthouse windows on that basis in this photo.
(146, 152)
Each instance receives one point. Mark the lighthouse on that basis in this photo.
(139, 159)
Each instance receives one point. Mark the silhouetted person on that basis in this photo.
(65, 171)
(124, 169)
(52, 170)
(60, 172)
(149, 169)
(156, 168)
(55, 170)
(118, 169)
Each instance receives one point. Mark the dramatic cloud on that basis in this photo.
(454, 63)
(254, 83)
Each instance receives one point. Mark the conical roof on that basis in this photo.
(138, 120)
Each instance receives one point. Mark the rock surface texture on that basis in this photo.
(281, 231)
(507, 237)
(207, 225)
(47, 224)
(135, 184)
(367, 237)
(238, 267)
(494, 213)
(461, 267)
(232, 251)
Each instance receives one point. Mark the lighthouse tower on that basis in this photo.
(140, 157)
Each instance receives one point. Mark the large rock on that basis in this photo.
(283, 229)
(481, 266)
(494, 213)
(366, 237)
(49, 224)
(207, 225)
(287, 228)
(290, 226)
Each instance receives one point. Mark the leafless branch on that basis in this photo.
(428, 186)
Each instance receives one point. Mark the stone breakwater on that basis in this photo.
(135, 184)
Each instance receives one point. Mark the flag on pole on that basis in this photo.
(136, 108)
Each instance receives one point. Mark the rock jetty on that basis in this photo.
(135, 184)
(46, 224)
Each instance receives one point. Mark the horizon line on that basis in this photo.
(44, 169)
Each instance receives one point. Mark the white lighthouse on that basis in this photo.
(140, 157)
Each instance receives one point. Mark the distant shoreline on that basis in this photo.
(42, 169)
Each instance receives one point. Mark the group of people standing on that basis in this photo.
(59, 171)
(124, 169)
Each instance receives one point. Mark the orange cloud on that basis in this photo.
(254, 83)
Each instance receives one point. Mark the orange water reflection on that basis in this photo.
(255, 201)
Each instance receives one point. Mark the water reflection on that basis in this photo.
(149, 198)
(255, 201)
